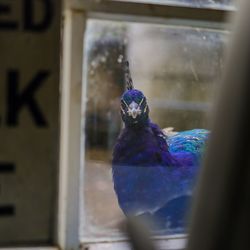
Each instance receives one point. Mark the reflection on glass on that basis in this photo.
(174, 67)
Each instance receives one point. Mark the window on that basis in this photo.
(176, 58)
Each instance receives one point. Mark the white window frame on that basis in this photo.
(75, 15)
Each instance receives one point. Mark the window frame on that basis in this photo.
(73, 92)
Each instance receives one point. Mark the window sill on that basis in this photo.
(174, 242)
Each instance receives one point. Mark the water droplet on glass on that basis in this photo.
(119, 59)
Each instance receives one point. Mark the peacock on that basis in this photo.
(154, 171)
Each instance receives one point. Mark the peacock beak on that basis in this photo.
(134, 110)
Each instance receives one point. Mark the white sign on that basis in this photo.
(29, 116)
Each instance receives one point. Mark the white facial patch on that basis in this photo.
(134, 109)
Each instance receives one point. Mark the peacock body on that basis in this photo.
(154, 173)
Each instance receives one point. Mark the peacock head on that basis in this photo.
(134, 107)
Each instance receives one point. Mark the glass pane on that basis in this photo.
(176, 68)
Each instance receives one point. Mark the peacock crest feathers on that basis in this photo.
(128, 78)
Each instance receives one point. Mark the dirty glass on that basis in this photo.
(177, 68)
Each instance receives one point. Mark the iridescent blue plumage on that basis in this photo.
(153, 173)
(192, 141)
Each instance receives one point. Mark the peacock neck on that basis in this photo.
(139, 125)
